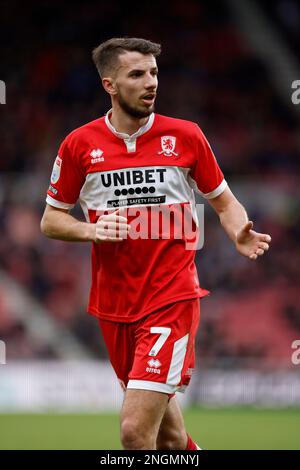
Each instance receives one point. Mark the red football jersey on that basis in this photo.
(153, 170)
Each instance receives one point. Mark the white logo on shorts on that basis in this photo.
(154, 363)
(154, 366)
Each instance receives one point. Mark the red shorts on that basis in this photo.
(158, 351)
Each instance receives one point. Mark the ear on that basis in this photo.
(109, 85)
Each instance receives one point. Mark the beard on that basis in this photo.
(134, 111)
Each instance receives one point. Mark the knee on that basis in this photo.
(171, 440)
(133, 437)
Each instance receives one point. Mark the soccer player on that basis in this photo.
(145, 290)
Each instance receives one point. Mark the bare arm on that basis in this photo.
(60, 225)
(234, 219)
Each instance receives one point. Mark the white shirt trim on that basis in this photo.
(216, 192)
(123, 135)
(58, 204)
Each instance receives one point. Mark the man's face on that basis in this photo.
(136, 83)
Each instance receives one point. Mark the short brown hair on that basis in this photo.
(106, 55)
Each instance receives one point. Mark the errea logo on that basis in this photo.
(154, 366)
(96, 155)
(154, 363)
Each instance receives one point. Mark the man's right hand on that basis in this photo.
(111, 228)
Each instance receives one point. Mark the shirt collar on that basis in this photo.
(123, 135)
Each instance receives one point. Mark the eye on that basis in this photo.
(136, 74)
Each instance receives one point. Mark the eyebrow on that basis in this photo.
(153, 69)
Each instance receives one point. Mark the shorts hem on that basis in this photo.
(150, 385)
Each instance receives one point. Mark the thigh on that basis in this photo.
(164, 353)
(144, 409)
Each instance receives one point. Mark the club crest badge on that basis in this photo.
(56, 170)
(168, 144)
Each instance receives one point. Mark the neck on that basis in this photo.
(125, 123)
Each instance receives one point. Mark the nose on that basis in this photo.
(151, 82)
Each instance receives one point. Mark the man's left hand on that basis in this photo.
(250, 243)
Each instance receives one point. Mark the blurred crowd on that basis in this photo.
(208, 74)
(286, 16)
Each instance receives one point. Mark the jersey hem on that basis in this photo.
(122, 319)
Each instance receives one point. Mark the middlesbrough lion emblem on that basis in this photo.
(168, 143)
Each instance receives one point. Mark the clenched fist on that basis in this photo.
(111, 228)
